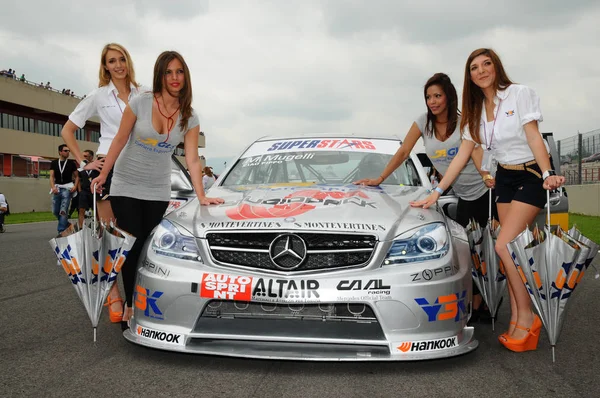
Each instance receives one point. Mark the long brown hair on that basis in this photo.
(472, 103)
(104, 75)
(208, 171)
(442, 80)
(185, 94)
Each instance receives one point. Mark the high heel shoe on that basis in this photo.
(527, 343)
(115, 316)
(503, 335)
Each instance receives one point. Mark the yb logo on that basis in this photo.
(148, 302)
(447, 307)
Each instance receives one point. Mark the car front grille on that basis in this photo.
(323, 251)
(318, 312)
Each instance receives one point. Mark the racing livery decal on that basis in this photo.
(322, 144)
(284, 289)
(451, 306)
(159, 336)
(147, 302)
(294, 204)
(227, 287)
(428, 345)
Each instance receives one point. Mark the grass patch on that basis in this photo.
(20, 218)
(588, 225)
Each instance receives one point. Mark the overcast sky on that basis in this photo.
(290, 67)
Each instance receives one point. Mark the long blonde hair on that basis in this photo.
(104, 75)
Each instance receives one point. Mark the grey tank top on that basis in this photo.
(468, 185)
(143, 169)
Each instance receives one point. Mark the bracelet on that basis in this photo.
(487, 177)
(438, 190)
(547, 174)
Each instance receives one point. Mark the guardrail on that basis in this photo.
(38, 85)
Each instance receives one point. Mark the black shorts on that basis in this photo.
(521, 185)
(86, 200)
(478, 209)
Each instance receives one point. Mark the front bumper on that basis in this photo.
(410, 312)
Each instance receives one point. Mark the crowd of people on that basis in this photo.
(11, 73)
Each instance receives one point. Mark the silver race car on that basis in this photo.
(299, 263)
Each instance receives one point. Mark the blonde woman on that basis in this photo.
(116, 87)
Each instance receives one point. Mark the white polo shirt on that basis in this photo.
(514, 107)
(104, 103)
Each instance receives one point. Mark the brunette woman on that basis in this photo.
(153, 124)
(439, 128)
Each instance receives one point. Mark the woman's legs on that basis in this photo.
(138, 217)
(514, 218)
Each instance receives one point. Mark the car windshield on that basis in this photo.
(319, 161)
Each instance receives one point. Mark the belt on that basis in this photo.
(522, 166)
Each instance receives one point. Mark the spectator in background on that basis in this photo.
(63, 178)
(42, 84)
(22, 77)
(209, 178)
(85, 192)
(3, 211)
(48, 86)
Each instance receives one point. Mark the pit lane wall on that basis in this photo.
(584, 199)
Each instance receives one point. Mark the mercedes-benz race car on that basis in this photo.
(299, 263)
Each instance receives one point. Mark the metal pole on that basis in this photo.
(580, 152)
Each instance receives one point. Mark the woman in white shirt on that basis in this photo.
(116, 87)
(508, 131)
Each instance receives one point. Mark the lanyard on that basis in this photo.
(61, 169)
(119, 105)
(489, 146)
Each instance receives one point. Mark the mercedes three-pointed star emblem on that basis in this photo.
(288, 251)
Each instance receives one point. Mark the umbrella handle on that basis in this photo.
(548, 207)
(95, 208)
(490, 207)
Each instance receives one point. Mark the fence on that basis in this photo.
(580, 158)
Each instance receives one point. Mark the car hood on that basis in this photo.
(384, 211)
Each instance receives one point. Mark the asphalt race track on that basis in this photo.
(47, 350)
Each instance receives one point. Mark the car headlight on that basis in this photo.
(168, 241)
(425, 243)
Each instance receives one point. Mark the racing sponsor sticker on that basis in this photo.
(322, 144)
(162, 337)
(446, 307)
(435, 273)
(147, 301)
(427, 345)
(227, 287)
(286, 290)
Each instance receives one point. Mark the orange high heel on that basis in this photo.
(527, 343)
(505, 334)
(115, 316)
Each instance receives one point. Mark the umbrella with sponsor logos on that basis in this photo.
(552, 263)
(487, 269)
(92, 258)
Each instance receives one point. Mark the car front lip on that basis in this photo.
(398, 292)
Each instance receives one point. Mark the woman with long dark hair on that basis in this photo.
(502, 117)
(439, 128)
(153, 124)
